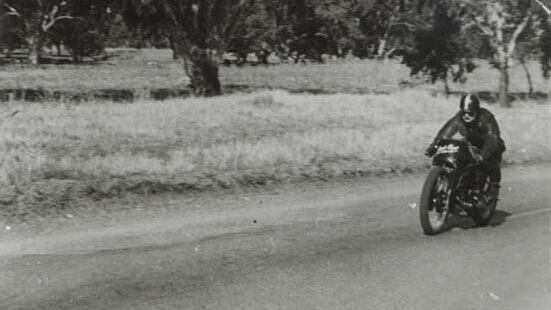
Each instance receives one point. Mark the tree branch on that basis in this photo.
(47, 25)
(12, 11)
(486, 30)
(518, 30)
(544, 7)
(408, 26)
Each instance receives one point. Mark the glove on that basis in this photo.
(475, 153)
(431, 150)
(478, 158)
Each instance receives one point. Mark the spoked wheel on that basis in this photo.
(485, 210)
(435, 199)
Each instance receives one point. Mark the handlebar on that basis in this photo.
(473, 150)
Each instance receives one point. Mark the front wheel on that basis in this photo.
(434, 204)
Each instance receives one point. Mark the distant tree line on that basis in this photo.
(437, 38)
(80, 26)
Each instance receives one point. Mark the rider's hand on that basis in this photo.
(478, 158)
(430, 151)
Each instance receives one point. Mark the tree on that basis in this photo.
(535, 44)
(86, 33)
(11, 34)
(545, 38)
(545, 47)
(440, 51)
(307, 29)
(527, 51)
(340, 24)
(503, 25)
(501, 22)
(254, 32)
(39, 17)
(387, 24)
(301, 31)
(199, 31)
(78, 38)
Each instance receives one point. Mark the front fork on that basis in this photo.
(455, 204)
(442, 193)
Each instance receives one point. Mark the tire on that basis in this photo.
(483, 217)
(433, 222)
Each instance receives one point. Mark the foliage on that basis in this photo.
(545, 45)
(199, 33)
(505, 24)
(254, 33)
(12, 35)
(436, 37)
(74, 23)
(389, 25)
(441, 50)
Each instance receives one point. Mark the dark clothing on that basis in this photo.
(483, 133)
(492, 165)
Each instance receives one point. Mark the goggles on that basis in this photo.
(468, 116)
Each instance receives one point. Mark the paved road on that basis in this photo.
(342, 246)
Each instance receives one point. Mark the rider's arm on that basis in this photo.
(448, 130)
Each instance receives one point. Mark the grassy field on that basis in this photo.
(146, 69)
(52, 153)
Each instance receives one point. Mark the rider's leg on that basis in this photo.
(493, 166)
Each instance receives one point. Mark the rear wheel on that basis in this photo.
(434, 204)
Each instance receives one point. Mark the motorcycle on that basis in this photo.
(455, 185)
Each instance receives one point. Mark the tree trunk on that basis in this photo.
(202, 69)
(200, 65)
(504, 85)
(263, 56)
(172, 47)
(447, 87)
(242, 58)
(381, 48)
(35, 49)
(528, 76)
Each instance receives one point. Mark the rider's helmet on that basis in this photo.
(469, 106)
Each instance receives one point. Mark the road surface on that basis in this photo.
(347, 245)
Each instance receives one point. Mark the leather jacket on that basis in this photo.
(483, 132)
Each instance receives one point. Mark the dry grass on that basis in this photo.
(52, 153)
(135, 70)
(146, 69)
(105, 149)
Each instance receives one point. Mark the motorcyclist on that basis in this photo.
(479, 127)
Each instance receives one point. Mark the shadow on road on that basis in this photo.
(468, 223)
